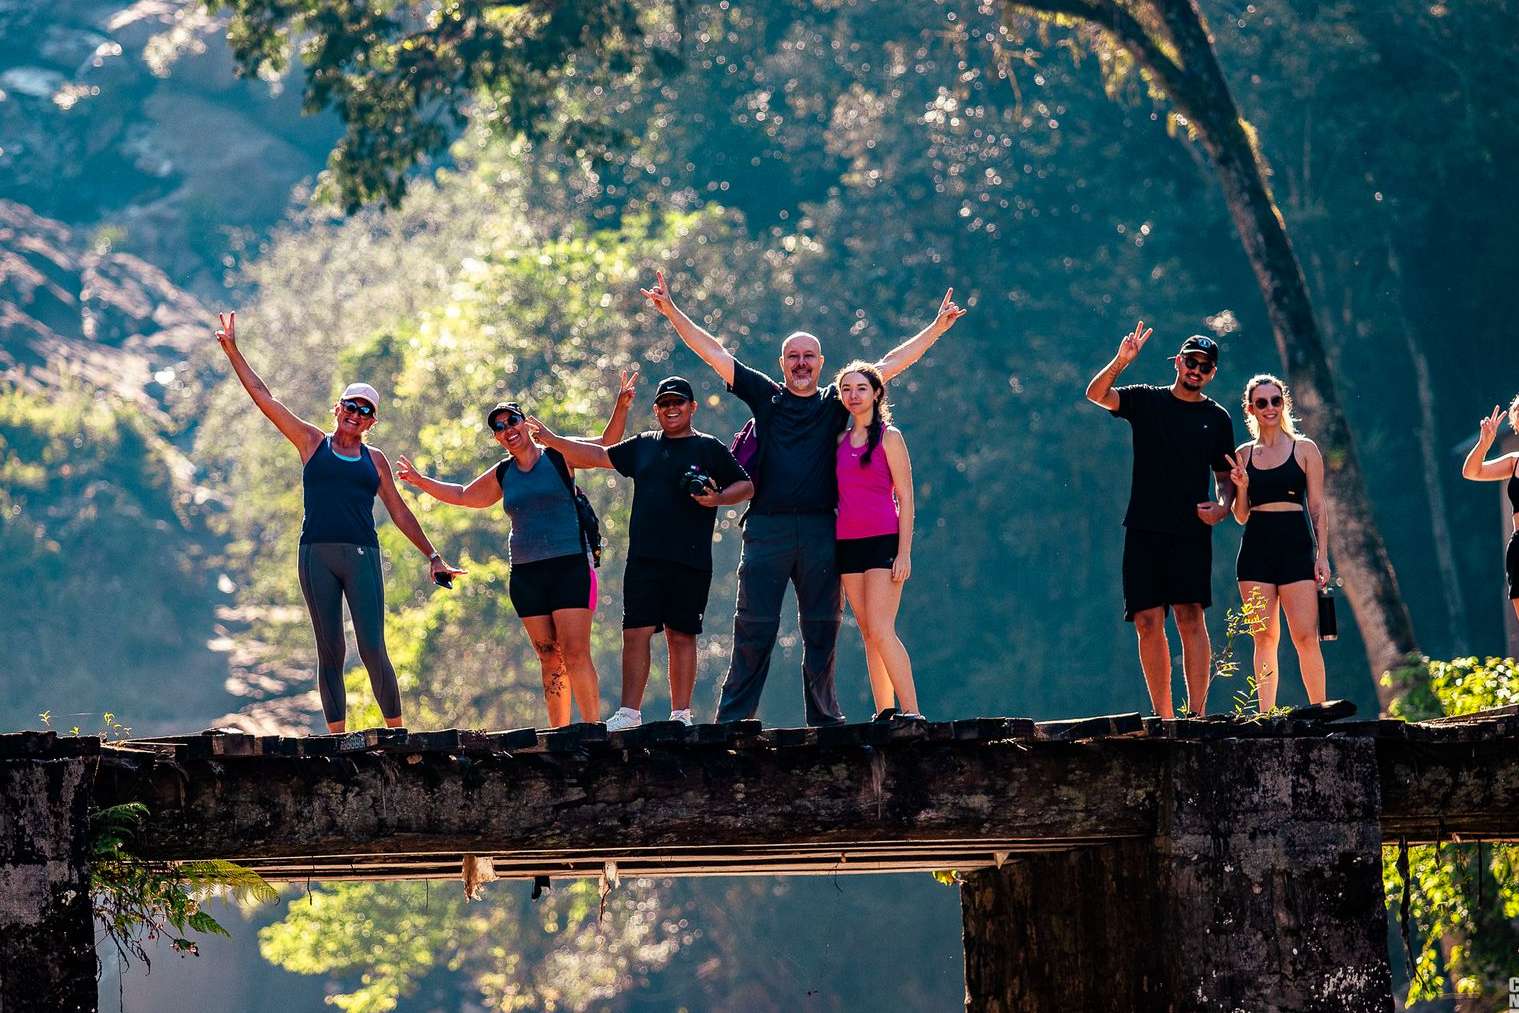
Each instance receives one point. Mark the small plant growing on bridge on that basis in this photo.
(136, 902)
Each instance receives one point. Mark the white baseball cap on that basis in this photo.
(361, 390)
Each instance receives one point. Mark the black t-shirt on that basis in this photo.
(666, 522)
(1177, 444)
(798, 442)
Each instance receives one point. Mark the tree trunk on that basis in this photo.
(1430, 457)
(1196, 86)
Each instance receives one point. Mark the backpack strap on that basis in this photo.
(562, 466)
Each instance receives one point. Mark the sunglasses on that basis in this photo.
(353, 407)
(1262, 403)
(1203, 366)
(501, 423)
(666, 402)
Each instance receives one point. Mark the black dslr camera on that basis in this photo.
(695, 482)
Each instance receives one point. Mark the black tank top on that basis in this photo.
(1286, 483)
(339, 497)
(1513, 488)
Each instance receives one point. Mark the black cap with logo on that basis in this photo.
(1203, 345)
(674, 385)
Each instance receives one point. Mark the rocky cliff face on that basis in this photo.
(125, 121)
(76, 313)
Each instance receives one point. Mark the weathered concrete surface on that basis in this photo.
(47, 952)
(1261, 891)
(377, 803)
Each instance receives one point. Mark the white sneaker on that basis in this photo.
(684, 717)
(625, 718)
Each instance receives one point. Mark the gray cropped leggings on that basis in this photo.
(330, 572)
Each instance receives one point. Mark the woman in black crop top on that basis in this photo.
(1283, 559)
(339, 553)
(1505, 467)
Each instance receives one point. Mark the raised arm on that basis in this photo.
(305, 436)
(1478, 470)
(577, 453)
(708, 348)
(896, 361)
(483, 492)
(618, 423)
(1318, 508)
(404, 519)
(901, 483)
(1100, 390)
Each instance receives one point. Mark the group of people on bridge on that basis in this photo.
(829, 484)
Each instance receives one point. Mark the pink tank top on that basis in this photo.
(867, 503)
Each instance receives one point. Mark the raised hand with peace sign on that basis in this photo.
(1129, 348)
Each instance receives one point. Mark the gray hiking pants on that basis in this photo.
(331, 572)
(782, 548)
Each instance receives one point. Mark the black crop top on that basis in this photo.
(1513, 488)
(1286, 483)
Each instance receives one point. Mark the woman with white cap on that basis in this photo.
(339, 553)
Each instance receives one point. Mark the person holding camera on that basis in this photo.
(339, 556)
(680, 478)
(552, 584)
(789, 536)
(1180, 435)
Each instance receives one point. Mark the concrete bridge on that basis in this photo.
(1109, 863)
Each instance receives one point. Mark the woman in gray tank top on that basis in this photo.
(552, 584)
(339, 553)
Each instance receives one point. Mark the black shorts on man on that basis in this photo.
(1178, 448)
(1161, 569)
(661, 593)
(669, 571)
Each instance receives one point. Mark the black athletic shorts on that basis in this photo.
(660, 593)
(1277, 548)
(1511, 564)
(1161, 569)
(856, 555)
(548, 585)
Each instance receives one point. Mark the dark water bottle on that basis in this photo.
(1328, 627)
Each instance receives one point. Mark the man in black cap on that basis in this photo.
(1180, 434)
(680, 478)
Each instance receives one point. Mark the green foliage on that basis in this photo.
(136, 902)
(388, 942)
(404, 75)
(1463, 899)
(92, 517)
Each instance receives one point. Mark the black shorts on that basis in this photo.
(1277, 548)
(1161, 569)
(1511, 565)
(856, 555)
(544, 587)
(660, 593)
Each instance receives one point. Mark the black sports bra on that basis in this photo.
(1513, 488)
(1285, 483)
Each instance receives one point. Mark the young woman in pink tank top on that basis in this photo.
(874, 532)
